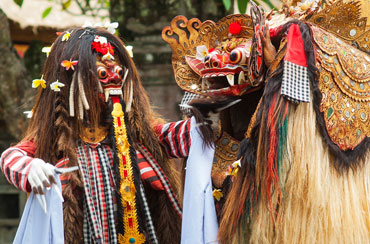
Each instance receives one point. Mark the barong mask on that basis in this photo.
(213, 58)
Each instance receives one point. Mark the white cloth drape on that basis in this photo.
(199, 222)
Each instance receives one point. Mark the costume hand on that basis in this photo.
(269, 50)
(41, 175)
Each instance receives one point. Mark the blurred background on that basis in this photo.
(26, 26)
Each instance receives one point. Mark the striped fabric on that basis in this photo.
(158, 170)
(97, 170)
(99, 215)
(147, 173)
(15, 163)
(175, 138)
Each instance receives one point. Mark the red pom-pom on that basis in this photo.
(235, 28)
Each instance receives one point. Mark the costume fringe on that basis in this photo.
(319, 204)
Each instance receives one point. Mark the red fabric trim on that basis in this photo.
(295, 47)
(28, 146)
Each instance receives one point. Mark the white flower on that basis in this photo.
(111, 27)
(28, 114)
(202, 52)
(55, 86)
(100, 39)
(46, 50)
(236, 164)
(129, 50)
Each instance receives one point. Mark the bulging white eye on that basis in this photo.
(240, 55)
(102, 72)
(119, 71)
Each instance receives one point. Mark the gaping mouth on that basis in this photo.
(230, 80)
(226, 82)
(112, 90)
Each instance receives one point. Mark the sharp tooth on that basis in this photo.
(119, 92)
(204, 83)
(208, 84)
(106, 93)
(230, 79)
(241, 79)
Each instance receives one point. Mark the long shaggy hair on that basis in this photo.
(290, 188)
(56, 133)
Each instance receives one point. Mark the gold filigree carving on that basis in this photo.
(345, 86)
(226, 149)
(185, 35)
(344, 19)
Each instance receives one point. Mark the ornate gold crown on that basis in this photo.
(185, 35)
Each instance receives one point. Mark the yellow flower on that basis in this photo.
(38, 82)
(217, 194)
(66, 36)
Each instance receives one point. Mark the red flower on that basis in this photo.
(235, 28)
(102, 48)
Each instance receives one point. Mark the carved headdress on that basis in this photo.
(211, 58)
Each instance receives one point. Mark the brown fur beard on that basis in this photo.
(166, 221)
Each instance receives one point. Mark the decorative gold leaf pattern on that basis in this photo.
(344, 19)
(345, 86)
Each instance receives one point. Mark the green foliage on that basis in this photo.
(227, 4)
(18, 2)
(242, 5)
(46, 12)
(66, 4)
(269, 3)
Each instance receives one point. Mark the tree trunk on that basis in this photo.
(15, 89)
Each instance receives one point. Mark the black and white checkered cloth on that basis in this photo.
(186, 99)
(148, 217)
(295, 85)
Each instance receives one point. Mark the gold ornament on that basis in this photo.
(345, 86)
(94, 135)
(185, 35)
(127, 187)
(344, 19)
(226, 149)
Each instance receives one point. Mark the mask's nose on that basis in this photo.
(114, 78)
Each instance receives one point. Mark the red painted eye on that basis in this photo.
(102, 72)
(119, 71)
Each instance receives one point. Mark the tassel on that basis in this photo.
(80, 108)
(130, 97)
(71, 96)
(82, 92)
